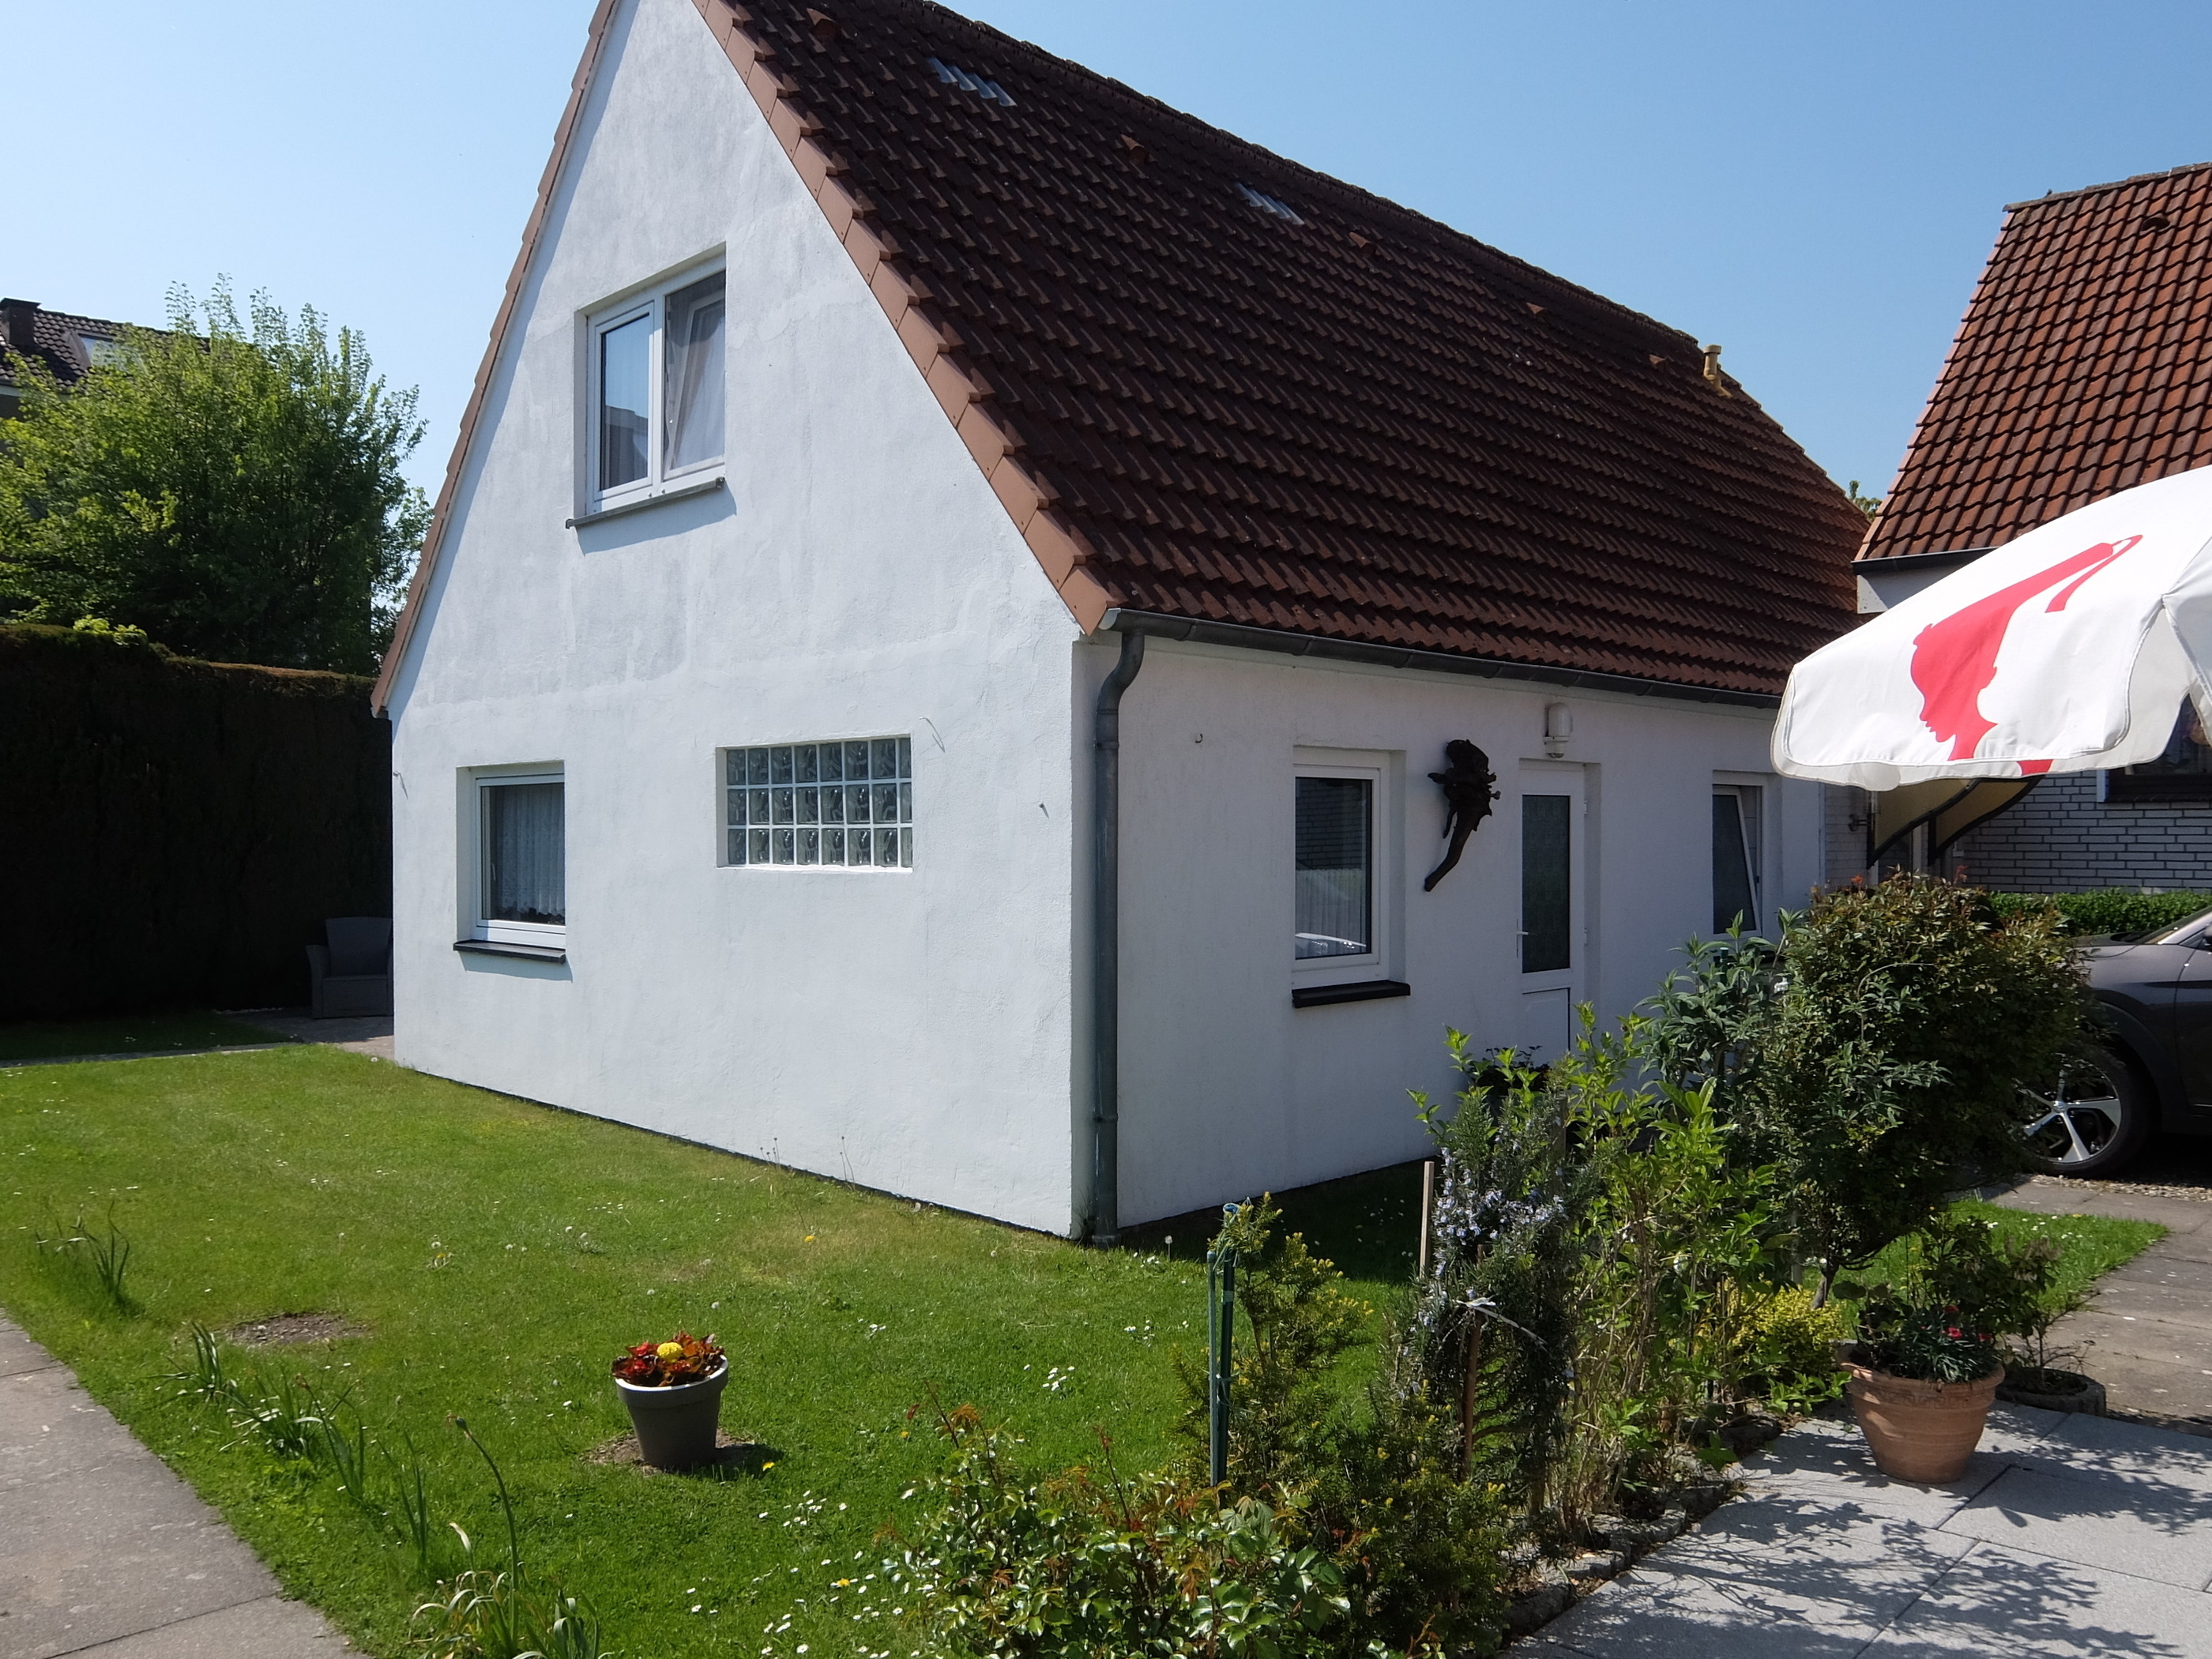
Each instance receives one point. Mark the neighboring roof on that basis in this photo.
(56, 338)
(1208, 383)
(2083, 367)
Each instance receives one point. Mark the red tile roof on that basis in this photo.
(2083, 367)
(1210, 383)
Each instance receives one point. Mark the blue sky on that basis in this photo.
(1814, 185)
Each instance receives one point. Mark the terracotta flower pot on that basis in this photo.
(1921, 1431)
(676, 1426)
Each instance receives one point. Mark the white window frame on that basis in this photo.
(1751, 790)
(476, 826)
(1383, 770)
(652, 302)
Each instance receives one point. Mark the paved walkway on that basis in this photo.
(364, 1034)
(2069, 1537)
(2147, 1334)
(105, 1552)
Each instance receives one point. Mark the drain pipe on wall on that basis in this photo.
(1105, 1221)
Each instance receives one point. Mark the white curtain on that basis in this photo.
(696, 374)
(524, 867)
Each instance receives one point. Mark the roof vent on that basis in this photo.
(826, 28)
(2156, 222)
(1269, 204)
(953, 75)
(1138, 152)
(1714, 378)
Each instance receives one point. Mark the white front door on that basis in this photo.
(1553, 935)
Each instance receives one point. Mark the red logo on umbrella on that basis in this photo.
(1953, 660)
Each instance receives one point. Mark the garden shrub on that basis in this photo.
(1790, 1358)
(2107, 910)
(1884, 1068)
(1959, 1289)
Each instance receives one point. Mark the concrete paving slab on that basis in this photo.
(1778, 1576)
(1826, 1463)
(2131, 1451)
(271, 1628)
(49, 1425)
(18, 1354)
(2150, 1528)
(2182, 1217)
(99, 1542)
(2161, 1290)
(2000, 1600)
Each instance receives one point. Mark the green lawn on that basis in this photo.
(125, 1034)
(498, 1253)
(2091, 1245)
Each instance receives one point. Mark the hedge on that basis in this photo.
(174, 831)
(2111, 909)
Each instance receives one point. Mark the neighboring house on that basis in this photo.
(895, 441)
(2083, 367)
(68, 345)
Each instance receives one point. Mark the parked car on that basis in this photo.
(2153, 1069)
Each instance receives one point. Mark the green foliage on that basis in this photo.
(1091, 1565)
(1961, 1285)
(231, 487)
(100, 1248)
(506, 1615)
(1789, 1358)
(1884, 1068)
(2108, 910)
(1297, 1323)
(1869, 505)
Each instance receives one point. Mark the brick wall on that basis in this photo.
(2062, 839)
(1846, 823)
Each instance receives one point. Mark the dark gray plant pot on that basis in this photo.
(2087, 1396)
(676, 1426)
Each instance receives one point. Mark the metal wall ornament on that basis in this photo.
(1470, 786)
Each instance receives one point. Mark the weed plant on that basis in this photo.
(102, 1249)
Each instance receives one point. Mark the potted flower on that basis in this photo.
(674, 1393)
(1926, 1365)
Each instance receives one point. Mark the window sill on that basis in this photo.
(1365, 990)
(494, 947)
(703, 487)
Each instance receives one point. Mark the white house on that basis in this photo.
(881, 413)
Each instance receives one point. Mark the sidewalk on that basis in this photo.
(104, 1551)
(2147, 1335)
(2069, 1537)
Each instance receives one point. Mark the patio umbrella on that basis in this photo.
(2069, 649)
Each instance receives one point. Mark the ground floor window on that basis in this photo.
(1335, 859)
(521, 873)
(848, 803)
(1736, 857)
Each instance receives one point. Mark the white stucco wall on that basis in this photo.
(907, 1031)
(1226, 1087)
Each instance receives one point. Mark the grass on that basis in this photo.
(498, 1253)
(125, 1034)
(2092, 1245)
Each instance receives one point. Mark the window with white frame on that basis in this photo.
(1345, 911)
(1736, 849)
(521, 857)
(846, 803)
(658, 383)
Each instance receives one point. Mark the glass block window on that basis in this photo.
(848, 804)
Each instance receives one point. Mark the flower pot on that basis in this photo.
(1921, 1431)
(2053, 1391)
(676, 1426)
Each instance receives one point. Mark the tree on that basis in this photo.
(231, 487)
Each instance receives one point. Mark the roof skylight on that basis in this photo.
(1269, 204)
(953, 75)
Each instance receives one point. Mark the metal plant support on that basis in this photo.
(1220, 1330)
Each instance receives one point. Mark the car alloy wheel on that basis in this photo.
(2090, 1121)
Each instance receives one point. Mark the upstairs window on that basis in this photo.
(658, 389)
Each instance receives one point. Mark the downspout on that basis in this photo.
(1105, 1220)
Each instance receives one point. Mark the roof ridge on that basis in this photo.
(2049, 197)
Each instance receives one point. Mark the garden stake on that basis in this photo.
(1220, 1330)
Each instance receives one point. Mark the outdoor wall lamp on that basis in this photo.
(1559, 728)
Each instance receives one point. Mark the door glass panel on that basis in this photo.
(1546, 890)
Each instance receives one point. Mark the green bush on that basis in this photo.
(2108, 910)
(1790, 1355)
